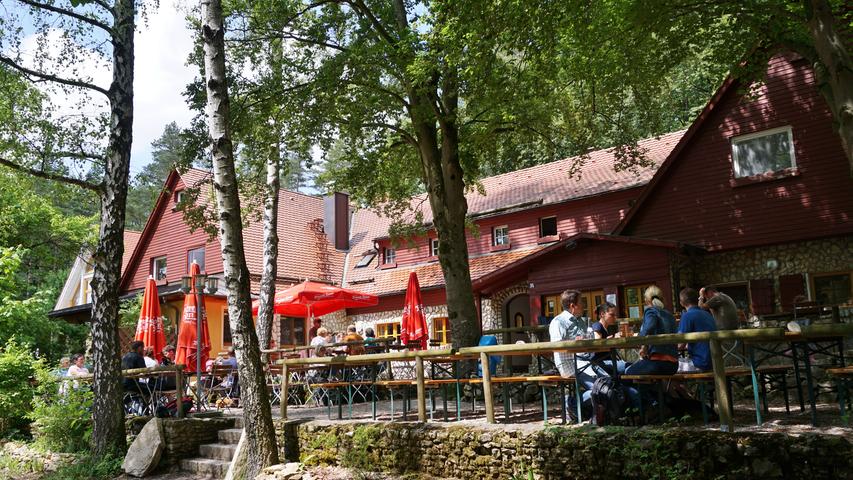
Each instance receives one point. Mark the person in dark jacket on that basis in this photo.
(656, 359)
(134, 359)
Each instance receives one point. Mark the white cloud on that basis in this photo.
(162, 46)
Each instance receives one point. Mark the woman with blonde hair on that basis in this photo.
(656, 359)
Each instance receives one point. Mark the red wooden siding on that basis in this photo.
(173, 239)
(602, 265)
(598, 214)
(695, 201)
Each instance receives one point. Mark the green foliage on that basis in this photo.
(18, 372)
(61, 416)
(365, 453)
(88, 467)
(26, 319)
(129, 311)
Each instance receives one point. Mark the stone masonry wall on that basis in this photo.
(815, 256)
(183, 437)
(559, 452)
(371, 319)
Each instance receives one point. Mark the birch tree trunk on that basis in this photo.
(257, 414)
(265, 302)
(107, 410)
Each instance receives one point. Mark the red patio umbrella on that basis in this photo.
(310, 299)
(149, 329)
(413, 329)
(187, 339)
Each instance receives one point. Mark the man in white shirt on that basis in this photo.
(570, 325)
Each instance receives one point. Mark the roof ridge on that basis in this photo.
(280, 192)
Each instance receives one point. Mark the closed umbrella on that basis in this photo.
(413, 329)
(149, 329)
(188, 336)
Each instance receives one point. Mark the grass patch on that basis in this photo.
(87, 467)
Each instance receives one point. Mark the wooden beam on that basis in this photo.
(487, 387)
(720, 386)
(285, 384)
(419, 369)
(408, 355)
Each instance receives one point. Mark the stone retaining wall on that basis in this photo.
(565, 452)
(183, 437)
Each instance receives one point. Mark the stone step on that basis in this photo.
(205, 467)
(218, 451)
(230, 435)
(238, 422)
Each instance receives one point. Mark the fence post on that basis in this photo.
(722, 393)
(179, 387)
(285, 385)
(487, 387)
(419, 369)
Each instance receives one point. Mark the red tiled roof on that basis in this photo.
(131, 238)
(531, 187)
(303, 250)
(394, 280)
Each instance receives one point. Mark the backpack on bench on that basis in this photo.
(609, 401)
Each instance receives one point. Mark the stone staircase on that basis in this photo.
(214, 458)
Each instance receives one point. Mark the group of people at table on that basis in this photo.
(322, 339)
(704, 311)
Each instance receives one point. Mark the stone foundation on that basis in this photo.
(183, 437)
(565, 452)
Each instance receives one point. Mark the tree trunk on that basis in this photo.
(267, 296)
(257, 414)
(273, 185)
(444, 179)
(107, 411)
(834, 71)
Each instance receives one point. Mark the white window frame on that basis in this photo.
(179, 196)
(389, 259)
(504, 238)
(764, 133)
(85, 288)
(154, 267)
(433, 247)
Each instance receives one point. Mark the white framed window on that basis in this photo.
(433, 247)
(179, 196)
(500, 235)
(547, 226)
(86, 289)
(763, 152)
(195, 255)
(158, 268)
(390, 256)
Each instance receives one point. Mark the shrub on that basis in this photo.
(62, 418)
(88, 467)
(18, 371)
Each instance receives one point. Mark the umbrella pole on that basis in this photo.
(199, 388)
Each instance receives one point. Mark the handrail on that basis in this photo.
(329, 345)
(370, 358)
(129, 372)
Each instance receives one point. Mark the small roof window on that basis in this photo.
(365, 260)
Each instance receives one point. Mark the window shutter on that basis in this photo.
(790, 286)
(762, 294)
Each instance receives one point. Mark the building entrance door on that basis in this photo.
(517, 314)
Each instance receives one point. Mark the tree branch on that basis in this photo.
(53, 78)
(69, 13)
(360, 7)
(402, 132)
(51, 176)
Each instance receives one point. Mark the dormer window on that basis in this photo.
(389, 256)
(433, 247)
(179, 196)
(500, 236)
(763, 152)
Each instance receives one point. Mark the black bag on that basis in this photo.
(609, 400)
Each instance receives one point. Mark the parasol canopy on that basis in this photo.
(149, 329)
(310, 299)
(413, 328)
(187, 339)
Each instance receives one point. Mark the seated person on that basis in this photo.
(369, 337)
(319, 342)
(606, 313)
(656, 359)
(229, 360)
(78, 366)
(166, 381)
(353, 336)
(131, 360)
(695, 319)
(570, 325)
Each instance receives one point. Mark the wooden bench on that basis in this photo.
(842, 376)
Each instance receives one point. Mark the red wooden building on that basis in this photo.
(754, 197)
